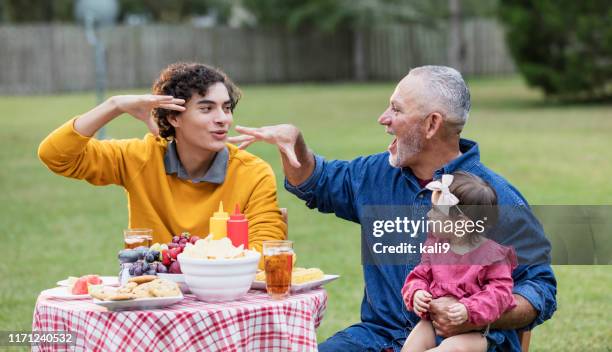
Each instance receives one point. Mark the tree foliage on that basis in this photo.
(563, 47)
(330, 15)
(29, 11)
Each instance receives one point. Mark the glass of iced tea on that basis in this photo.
(133, 238)
(278, 264)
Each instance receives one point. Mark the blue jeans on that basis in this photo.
(343, 342)
(359, 337)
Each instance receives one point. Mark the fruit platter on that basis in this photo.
(159, 259)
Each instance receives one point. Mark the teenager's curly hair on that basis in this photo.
(182, 80)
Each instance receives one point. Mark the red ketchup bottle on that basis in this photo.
(238, 228)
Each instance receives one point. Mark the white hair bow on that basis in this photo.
(446, 198)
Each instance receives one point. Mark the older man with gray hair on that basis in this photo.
(426, 114)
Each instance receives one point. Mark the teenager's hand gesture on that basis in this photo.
(140, 106)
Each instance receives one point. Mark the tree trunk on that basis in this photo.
(456, 49)
(359, 65)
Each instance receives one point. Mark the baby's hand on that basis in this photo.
(421, 301)
(457, 313)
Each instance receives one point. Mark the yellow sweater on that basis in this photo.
(162, 202)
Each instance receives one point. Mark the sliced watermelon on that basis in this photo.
(93, 279)
(80, 285)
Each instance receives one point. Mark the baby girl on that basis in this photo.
(475, 270)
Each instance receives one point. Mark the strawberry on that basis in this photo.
(166, 260)
(174, 252)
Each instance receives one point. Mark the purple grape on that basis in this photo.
(131, 271)
(137, 271)
(145, 266)
(128, 256)
(150, 257)
(151, 272)
(175, 268)
(176, 239)
(162, 269)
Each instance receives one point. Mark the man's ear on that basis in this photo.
(173, 120)
(433, 123)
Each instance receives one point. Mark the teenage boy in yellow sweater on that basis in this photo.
(176, 175)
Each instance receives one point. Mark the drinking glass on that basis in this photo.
(278, 265)
(133, 238)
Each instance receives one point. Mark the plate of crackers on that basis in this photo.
(141, 292)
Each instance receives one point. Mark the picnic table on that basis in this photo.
(253, 323)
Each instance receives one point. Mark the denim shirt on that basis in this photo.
(347, 187)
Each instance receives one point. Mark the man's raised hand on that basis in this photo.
(283, 136)
(140, 106)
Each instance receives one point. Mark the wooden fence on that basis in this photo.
(55, 58)
(391, 51)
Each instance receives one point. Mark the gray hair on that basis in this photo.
(446, 89)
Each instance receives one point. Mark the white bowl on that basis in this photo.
(178, 278)
(219, 280)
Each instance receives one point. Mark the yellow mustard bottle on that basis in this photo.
(218, 223)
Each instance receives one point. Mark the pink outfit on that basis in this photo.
(480, 279)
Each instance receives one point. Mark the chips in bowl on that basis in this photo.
(208, 248)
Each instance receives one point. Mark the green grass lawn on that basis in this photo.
(53, 227)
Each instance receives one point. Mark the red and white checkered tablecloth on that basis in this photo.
(253, 323)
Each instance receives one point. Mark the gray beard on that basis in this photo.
(406, 148)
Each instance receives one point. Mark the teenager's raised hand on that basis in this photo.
(283, 136)
(140, 106)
